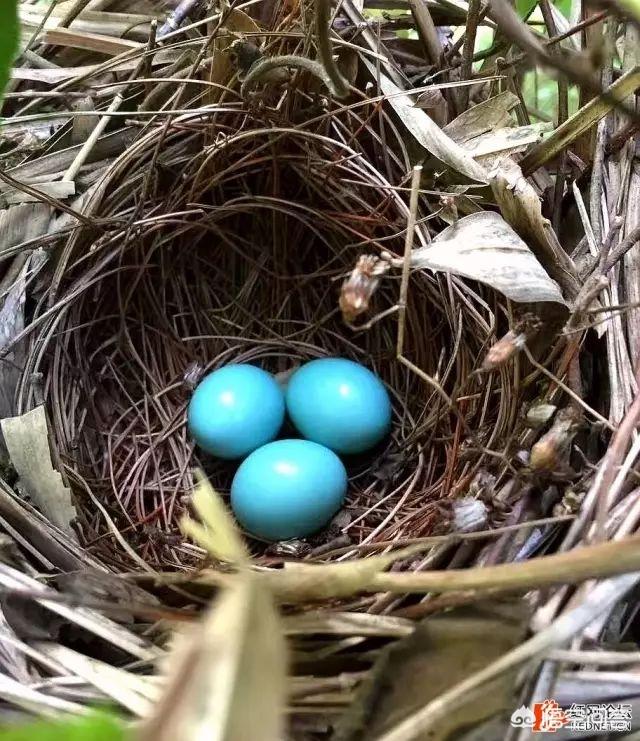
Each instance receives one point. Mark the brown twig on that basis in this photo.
(473, 19)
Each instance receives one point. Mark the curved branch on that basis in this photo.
(325, 48)
(267, 64)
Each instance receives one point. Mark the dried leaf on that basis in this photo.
(127, 689)
(489, 128)
(89, 41)
(221, 67)
(227, 677)
(56, 75)
(218, 532)
(483, 247)
(520, 206)
(88, 21)
(38, 703)
(483, 118)
(44, 543)
(21, 223)
(109, 145)
(506, 140)
(27, 440)
(442, 651)
(13, 580)
(60, 189)
(11, 324)
(428, 134)
(12, 658)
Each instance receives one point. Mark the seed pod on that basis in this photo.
(551, 452)
(469, 515)
(360, 285)
(512, 342)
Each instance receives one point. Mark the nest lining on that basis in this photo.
(232, 248)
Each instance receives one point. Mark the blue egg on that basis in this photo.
(340, 404)
(288, 489)
(235, 410)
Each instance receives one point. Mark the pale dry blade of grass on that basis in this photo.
(27, 440)
(135, 693)
(227, 676)
(90, 620)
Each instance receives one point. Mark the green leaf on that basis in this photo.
(93, 727)
(525, 7)
(9, 31)
(632, 7)
(564, 6)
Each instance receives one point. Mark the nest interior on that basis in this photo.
(231, 246)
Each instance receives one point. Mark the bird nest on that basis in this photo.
(228, 242)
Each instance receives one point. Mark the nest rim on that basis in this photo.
(87, 266)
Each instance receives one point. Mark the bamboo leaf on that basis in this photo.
(93, 727)
(483, 247)
(27, 440)
(9, 32)
(581, 121)
(227, 677)
(520, 206)
(426, 132)
(441, 652)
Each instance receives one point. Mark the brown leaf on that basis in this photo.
(27, 440)
(426, 132)
(442, 651)
(221, 68)
(483, 118)
(483, 247)
(520, 206)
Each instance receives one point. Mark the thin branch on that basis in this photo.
(406, 265)
(339, 87)
(473, 19)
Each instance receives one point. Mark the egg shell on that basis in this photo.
(288, 489)
(339, 404)
(235, 410)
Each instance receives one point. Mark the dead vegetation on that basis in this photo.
(270, 182)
